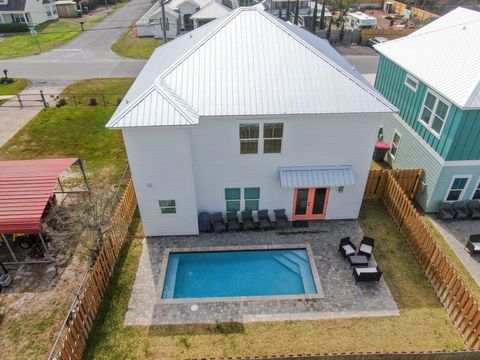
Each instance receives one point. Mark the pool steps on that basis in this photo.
(171, 277)
(300, 266)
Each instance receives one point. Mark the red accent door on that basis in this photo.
(310, 203)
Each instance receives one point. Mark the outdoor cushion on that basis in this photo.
(366, 270)
(476, 247)
(348, 250)
(366, 248)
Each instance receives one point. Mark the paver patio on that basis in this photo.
(456, 234)
(342, 298)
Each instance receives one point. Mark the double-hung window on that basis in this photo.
(232, 199)
(272, 137)
(167, 206)
(476, 193)
(395, 144)
(249, 138)
(457, 188)
(434, 112)
(252, 197)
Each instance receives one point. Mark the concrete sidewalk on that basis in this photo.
(13, 117)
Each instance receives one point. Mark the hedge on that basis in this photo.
(13, 28)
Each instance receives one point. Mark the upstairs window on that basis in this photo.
(395, 144)
(434, 113)
(232, 199)
(272, 137)
(411, 82)
(249, 138)
(252, 197)
(457, 188)
(167, 206)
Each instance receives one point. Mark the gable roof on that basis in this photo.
(445, 55)
(212, 10)
(250, 63)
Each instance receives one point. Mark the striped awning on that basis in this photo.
(316, 176)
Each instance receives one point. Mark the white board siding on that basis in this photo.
(307, 140)
(161, 157)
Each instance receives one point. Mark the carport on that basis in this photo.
(26, 188)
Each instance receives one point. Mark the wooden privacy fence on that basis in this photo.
(399, 7)
(461, 305)
(74, 341)
(409, 181)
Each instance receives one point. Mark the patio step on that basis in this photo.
(289, 264)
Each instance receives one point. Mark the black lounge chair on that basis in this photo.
(264, 220)
(346, 248)
(446, 211)
(247, 220)
(473, 244)
(367, 274)
(474, 207)
(281, 219)
(366, 247)
(460, 210)
(218, 223)
(232, 221)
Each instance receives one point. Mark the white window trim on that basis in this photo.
(264, 138)
(408, 76)
(462, 194)
(475, 189)
(242, 197)
(432, 116)
(391, 143)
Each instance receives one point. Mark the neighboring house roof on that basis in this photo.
(13, 5)
(48, 2)
(250, 63)
(212, 10)
(168, 10)
(445, 55)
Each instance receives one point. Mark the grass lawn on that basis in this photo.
(422, 325)
(13, 88)
(131, 46)
(50, 35)
(374, 165)
(75, 131)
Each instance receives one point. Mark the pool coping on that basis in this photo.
(313, 267)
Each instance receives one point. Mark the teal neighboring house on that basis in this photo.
(433, 77)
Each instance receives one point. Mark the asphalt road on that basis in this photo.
(89, 54)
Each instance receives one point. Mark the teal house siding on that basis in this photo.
(466, 142)
(390, 81)
(445, 179)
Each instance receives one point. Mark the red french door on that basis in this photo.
(310, 203)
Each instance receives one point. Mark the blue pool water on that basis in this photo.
(238, 273)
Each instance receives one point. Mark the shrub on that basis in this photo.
(61, 102)
(13, 28)
(93, 102)
(119, 100)
(6, 80)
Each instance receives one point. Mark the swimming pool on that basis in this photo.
(238, 273)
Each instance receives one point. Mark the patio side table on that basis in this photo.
(358, 261)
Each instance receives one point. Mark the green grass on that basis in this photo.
(13, 88)
(422, 325)
(77, 132)
(131, 46)
(50, 35)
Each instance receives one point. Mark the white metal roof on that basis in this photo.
(212, 10)
(445, 55)
(314, 176)
(251, 63)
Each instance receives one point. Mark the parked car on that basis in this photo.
(376, 40)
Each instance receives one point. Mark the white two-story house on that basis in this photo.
(27, 11)
(248, 112)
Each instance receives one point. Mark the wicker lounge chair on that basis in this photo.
(264, 220)
(473, 244)
(232, 221)
(460, 210)
(446, 211)
(247, 220)
(366, 247)
(474, 207)
(218, 223)
(367, 274)
(281, 219)
(346, 248)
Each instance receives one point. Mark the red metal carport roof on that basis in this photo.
(25, 188)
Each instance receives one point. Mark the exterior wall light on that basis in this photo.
(340, 189)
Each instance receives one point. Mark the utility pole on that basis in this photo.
(34, 34)
(106, 5)
(164, 28)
